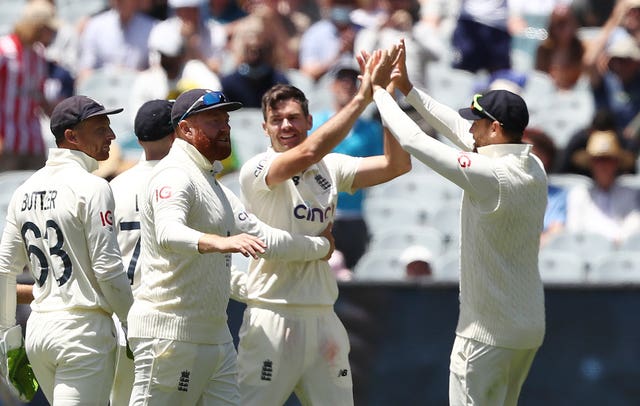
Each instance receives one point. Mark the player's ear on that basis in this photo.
(70, 136)
(183, 130)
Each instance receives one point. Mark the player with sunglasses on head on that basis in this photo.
(502, 322)
(190, 225)
(291, 339)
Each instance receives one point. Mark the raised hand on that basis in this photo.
(400, 76)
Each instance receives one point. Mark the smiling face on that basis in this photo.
(286, 124)
(92, 136)
(209, 132)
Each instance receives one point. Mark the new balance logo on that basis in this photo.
(183, 382)
(323, 182)
(343, 372)
(267, 370)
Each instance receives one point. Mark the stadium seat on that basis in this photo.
(390, 212)
(447, 267)
(447, 220)
(589, 246)
(400, 238)
(381, 265)
(247, 136)
(616, 267)
(561, 267)
(450, 86)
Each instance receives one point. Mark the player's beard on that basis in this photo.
(214, 149)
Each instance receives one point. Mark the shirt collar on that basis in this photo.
(498, 150)
(59, 156)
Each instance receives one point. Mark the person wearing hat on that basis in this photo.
(502, 315)
(606, 207)
(294, 185)
(60, 225)
(416, 261)
(190, 224)
(155, 133)
(365, 138)
(23, 62)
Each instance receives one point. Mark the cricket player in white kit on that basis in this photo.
(60, 225)
(184, 354)
(291, 340)
(155, 133)
(502, 316)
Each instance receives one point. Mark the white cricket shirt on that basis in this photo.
(183, 294)
(60, 224)
(304, 204)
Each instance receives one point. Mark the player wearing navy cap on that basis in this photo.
(155, 133)
(60, 225)
(502, 320)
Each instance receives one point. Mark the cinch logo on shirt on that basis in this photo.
(303, 212)
(259, 168)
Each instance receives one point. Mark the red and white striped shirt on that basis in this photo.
(23, 71)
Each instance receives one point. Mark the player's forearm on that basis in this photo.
(117, 292)
(442, 118)
(328, 135)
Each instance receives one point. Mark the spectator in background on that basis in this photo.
(613, 63)
(617, 87)
(603, 120)
(202, 39)
(286, 24)
(555, 216)
(225, 11)
(328, 40)
(256, 52)
(116, 37)
(364, 139)
(403, 21)
(23, 74)
(171, 72)
(481, 40)
(416, 261)
(561, 54)
(607, 207)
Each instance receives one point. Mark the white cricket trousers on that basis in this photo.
(72, 355)
(301, 349)
(178, 373)
(484, 375)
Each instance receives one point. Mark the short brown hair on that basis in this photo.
(281, 92)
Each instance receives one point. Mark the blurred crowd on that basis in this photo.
(547, 50)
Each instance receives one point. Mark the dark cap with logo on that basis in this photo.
(153, 120)
(197, 100)
(75, 109)
(502, 105)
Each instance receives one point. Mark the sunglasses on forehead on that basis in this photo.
(207, 99)
(477, 107)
